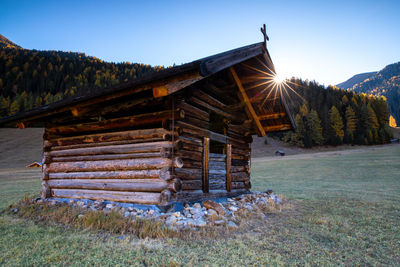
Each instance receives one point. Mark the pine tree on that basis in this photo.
(336, 124)
(14, 108)
(372, 119)
(314, 128)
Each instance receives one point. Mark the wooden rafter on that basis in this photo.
(245, 98)
(272, 116)
(280, 127)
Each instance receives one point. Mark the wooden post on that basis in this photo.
(206, 151)
(228, 167)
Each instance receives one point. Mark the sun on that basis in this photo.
(279, 79)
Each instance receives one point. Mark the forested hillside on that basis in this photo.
(383, 83)
(30, 78)
(334, 116)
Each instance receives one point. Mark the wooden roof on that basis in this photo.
(263, 111)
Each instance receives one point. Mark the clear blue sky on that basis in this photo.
(327, 41)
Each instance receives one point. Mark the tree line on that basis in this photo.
(332, 116)
(30, 78)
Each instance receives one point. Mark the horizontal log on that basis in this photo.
(163, 154)
(191, 184)
(195, 121)
(163, 174)
(217, 156)
(241, 157)
(116, 149)
(211, 100)
(240, 176)
(114, 165)
(188, 173)
(190, 140)
(217, 172)
(137, 185)
(109, 137)
(122, 142)
(131, 197)
(194, 111)
(240, 168)
(229, 115)
(238, 185)
(238, 162)
(217, 186)
(118, 123)
(190, 147)
(188, 163)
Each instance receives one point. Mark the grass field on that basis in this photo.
(345, 210)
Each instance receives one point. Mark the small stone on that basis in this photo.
(219, 222)
(176, 214)
(233, 208)
(268, 192)
(170, 220)
(197, 206)
(180, 223)
(127, 214)
(150, 212)
(190, 222)
(229, 199)
(210, 212)
(210, 204)
(249, 207)
(186, 212)
(194, 211)
(71, 201)
(15, 210)
(130, 209)
(232, 224)
(109, 206)
(200, 222)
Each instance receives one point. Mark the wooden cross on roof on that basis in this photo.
(264, 32)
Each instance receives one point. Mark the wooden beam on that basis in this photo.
(275, 128)
(272, 116)
(228, 167)
(206, 152)
(134, 197)
(259, 127)
(173, 87)
(21, 125)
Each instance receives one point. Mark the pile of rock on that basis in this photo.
(209, 212)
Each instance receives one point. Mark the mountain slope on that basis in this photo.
(385, 83)
(31, 78)
(4, 42)
(358, 78)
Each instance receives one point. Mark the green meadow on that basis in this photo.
(340, 210)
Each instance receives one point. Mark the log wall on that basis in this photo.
(128, 155)
(128, 166)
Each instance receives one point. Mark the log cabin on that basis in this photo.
(176, 135)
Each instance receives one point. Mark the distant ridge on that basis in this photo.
(4, 42)
(385, 82)
(358, 78)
